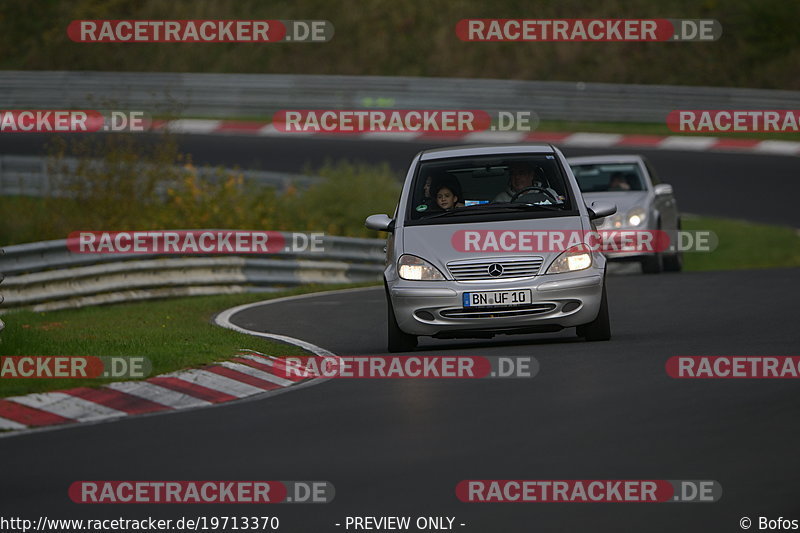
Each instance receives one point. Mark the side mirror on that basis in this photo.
(663, 189)
(600, 209)
(380, 223)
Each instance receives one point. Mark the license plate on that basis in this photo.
(497, 298)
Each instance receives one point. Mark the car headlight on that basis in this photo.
(636, 216)
(414, 268)
(576, 258)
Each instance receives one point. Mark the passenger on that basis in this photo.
(446, 181)
(428, 200)
(446, 197)
(618, 182)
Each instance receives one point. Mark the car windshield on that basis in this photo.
(463, 187)
(609, 177)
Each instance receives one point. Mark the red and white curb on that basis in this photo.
(579, 140)
(248, 374)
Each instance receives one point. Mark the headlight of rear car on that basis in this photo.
(614, 221)
(413, 268)
(576, 258)
(636, 216)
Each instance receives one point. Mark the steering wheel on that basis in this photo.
(537, 189)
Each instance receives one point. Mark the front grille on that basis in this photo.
(533, 309)
(475, 271)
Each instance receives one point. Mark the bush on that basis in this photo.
(119, 182)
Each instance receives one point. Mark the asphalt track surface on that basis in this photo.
(749, 186)
(398, 447)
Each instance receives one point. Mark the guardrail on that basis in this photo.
(2, 324)
(233, 95)
(46, 275)
(22, 175)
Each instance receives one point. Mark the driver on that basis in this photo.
(521, 177)
(618, 182)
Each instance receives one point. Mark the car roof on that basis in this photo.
(487, 149)
(598, 159)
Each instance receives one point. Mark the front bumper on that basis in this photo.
(626, 257)
(559, 300)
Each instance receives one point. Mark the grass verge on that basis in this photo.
(174, 334)
(743, 245)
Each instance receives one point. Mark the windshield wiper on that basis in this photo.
(456, 211)
(523, 206)
(497, 206)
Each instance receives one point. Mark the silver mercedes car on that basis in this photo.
(485, 240)
(643, 203)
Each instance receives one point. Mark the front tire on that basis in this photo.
(600, 328)
(653, 263)
(674, 262)
(399, 340)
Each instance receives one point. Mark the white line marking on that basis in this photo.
(592, 139)
(10, 424)
(496, 136)
(390, 135)
(256, 373)
(248, 351)
(67, 406)
(193, 126)
(269, 130)
(224, 319)
(258, 359)
(154, 393)
(217, 382)
(778, 147)
(676, 142)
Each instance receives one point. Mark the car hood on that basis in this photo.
(436, 244)
(624, 200)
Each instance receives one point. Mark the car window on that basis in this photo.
(478, 185)
(609, 177)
